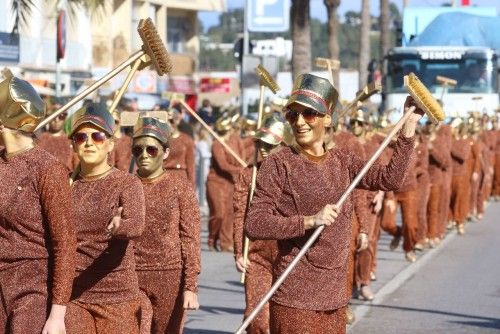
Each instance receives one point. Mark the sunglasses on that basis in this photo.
(82, 137)
(309, 115)
(62, 116)
(138, 150)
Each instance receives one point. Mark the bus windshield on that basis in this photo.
(473, 74)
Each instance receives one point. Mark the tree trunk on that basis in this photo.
(301, 37)
(333, 42)
(384, 31)
(364, 44)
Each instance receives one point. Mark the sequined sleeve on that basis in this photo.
(133, 214)
(438, 153)
(390, 177)
(262, 221)
(56, 204)
(459, 150)
(240, 199)
(189, 232)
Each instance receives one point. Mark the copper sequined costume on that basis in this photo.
(438, 162)
(122, 153)
(58, 146)
(168, 256)
(444, 132)
(106, 291)
(37, 240)
(496, 184)
(181, 157)
(291, 186)
(224, 171)
(460, 151)
(477, 151)
(423, 187)
(261, 255)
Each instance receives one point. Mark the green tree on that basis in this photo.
(22, 9)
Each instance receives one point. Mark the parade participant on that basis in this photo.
(109, 209)
(486, 168)
(438, 161)
(168, 253)
(55, 141)
(460, 151)
(346, 140)
(444, 132)
(121, 154)
(37, 236)
(262, 253)
(295, 191)
(477, 167)
(423, 190)
(496, 185)
(224, 171)
(182, 149)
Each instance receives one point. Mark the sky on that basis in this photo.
(318, 8)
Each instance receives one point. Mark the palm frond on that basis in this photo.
(22, 11)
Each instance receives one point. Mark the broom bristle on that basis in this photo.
(154, 47)
(423, 98)
(266, 79)
(370, 89)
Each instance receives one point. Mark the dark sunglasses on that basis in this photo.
(62, 116)
(152, 151)
(82, 137)
(309, 115)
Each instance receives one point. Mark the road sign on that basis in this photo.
(268, 15)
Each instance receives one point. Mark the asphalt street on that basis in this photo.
(451, 289)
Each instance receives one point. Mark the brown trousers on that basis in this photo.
(220, 222)
(163, 289)
(374, 242)
(23, 295)
(287, 320)
(423, 192)
(474, 191)
(258, 281)
(408, 202)
(352, 255)
(459, 198)
(84, 318)
(444, 206)
(364, 258)
(481, 192)
(433, 211)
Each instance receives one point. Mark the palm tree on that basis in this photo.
(364, 43)
(301, 37)
(22, 9)
(333, 42)
(384, 29)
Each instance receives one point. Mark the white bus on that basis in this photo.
(475, 70)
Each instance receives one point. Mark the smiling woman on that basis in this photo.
(109, 208)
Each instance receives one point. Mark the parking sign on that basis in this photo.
(268, 15)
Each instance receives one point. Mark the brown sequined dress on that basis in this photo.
(168, 254)
(106, 290)
(291, 186)
(261, 255)
(181, 157)
(37, 239)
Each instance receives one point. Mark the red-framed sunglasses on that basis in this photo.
(82, 137)
(309, 115)
(138, 150)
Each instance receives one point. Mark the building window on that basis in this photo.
(177, 29)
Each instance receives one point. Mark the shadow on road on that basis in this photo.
(494, 324)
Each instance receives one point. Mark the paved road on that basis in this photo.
(456, 291)
(452, 289)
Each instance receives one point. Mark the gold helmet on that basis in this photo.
(273, 129)
(21, 108)
(314, 92)
(223, 124)
(248, 125)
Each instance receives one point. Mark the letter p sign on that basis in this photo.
(268, 15)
